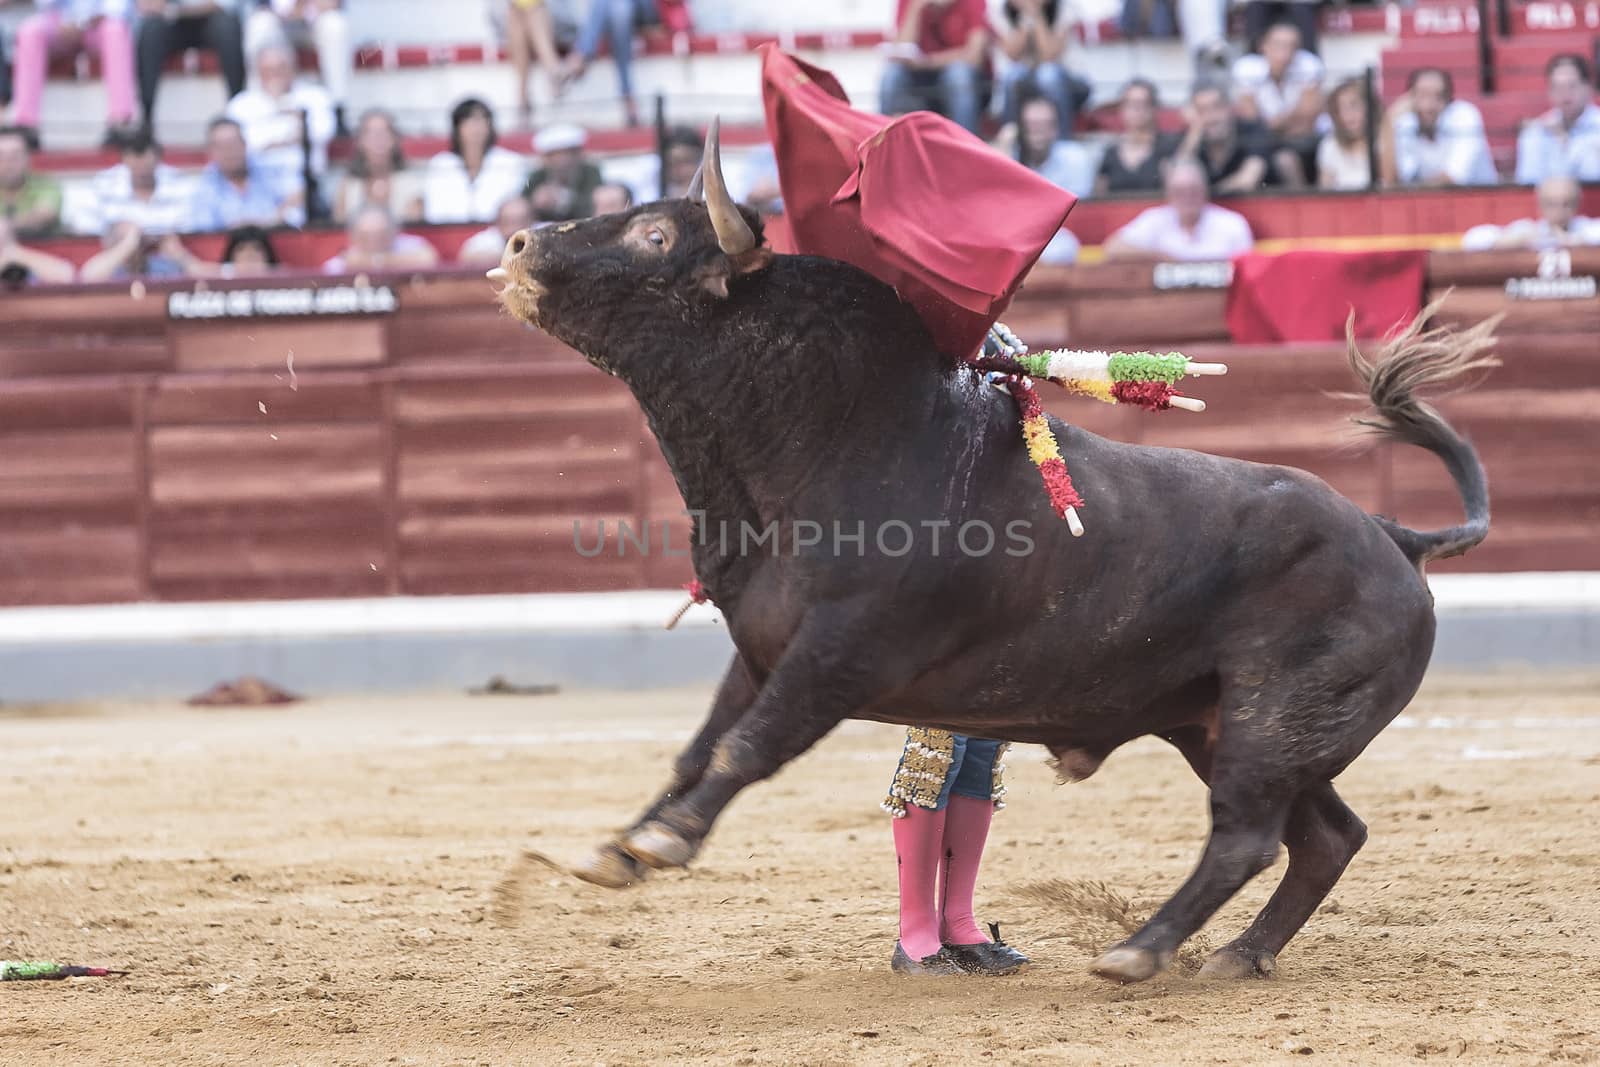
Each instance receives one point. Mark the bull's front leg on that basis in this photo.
(611, 866)
(833, 666)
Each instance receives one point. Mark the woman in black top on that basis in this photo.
(1136, 161)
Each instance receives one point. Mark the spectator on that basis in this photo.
(279, 117)
(1564, 141)
(302, 23)
(1033, 41)
(141, 190)
(168, 26)
(1041, 148)
(377, 173)
(563, 186)
(469, 182)
(1261, 15)
(1230, 151)
(248, 253)
(1135, 161)
(1344, 158)
(376, 243)
(756, 183)
(68, 27)
(1558, 226)
(530, 34)
(1186, 227)
(611, 198)
(1202, 22)
(615, 20)
(233, 191)
(1280, 88)
(29, 201)
(20, 267)
(487, 245)
(684, 149)
(131, 253)
(1430, 138)
(939, 60)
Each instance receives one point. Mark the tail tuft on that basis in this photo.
(1415, 360)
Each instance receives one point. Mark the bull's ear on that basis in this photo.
(715, 276)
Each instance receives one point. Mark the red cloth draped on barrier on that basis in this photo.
(916, 201)
(1306, 296)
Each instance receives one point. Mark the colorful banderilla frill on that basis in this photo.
(1146, 379)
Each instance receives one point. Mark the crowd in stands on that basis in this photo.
(1266, 119)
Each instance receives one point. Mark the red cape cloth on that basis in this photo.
(1306, 296)
(915, 201)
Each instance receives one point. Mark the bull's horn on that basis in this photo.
(733, 233)
(697, 186)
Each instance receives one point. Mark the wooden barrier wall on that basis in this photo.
(446, 449)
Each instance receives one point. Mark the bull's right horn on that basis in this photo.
(734, 235)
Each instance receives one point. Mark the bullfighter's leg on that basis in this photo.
(1248, 812)
(829, 670)
(1323, 835)
(614, 868)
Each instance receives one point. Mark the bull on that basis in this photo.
(1261, 623)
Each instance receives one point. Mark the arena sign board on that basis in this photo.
(1198, 275)
(1555, 280)
(307, 301)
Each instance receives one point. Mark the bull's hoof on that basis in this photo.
(656, 846)
(611, 867)
(1230, 963)
(1127, 964)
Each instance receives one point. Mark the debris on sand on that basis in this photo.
(498, 686)
(1102, 916)
(48, 971)
(248, 691)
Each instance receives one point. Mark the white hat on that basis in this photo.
(559, 138)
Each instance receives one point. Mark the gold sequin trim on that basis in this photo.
(999, 793)
(924, 765)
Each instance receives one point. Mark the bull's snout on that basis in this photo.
(516, 245)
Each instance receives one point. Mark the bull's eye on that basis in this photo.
(657, 238)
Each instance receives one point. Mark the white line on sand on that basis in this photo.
(643, 610)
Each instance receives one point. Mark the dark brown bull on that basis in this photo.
(1257, 620)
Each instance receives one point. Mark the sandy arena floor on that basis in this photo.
(317, 885)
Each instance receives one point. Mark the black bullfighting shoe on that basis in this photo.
(937, 965)
(987, 957)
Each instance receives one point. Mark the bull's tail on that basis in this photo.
(1418, 359)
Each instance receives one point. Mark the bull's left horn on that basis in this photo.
(734, 235)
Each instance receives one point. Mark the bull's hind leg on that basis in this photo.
(1323, 835)
(1248, 812)
(613, 867)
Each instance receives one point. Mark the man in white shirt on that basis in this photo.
(1434, 139)
(1281, 89)
(142, 190)
(273, 115)
(299, 23)
(484, 248)
(1558, 226)
(1564, 141)
(1188, 227)
(1281, 86)
(376, 244)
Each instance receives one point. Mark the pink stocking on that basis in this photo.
(918, 838)
(966, 827)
